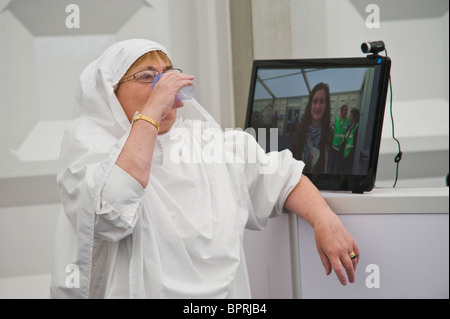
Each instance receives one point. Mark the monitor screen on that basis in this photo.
(327, 112)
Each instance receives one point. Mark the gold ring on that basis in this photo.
(353, 255)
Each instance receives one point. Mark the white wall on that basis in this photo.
(196, 32)
(416, 38)
(40, 61)
(336, 28)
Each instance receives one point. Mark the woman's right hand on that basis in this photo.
(162, 98)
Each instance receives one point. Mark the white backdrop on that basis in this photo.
(40, 60)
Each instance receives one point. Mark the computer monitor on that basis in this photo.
(305, 98)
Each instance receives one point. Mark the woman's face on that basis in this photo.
(133, 94)
(318, 106)
(351, 117)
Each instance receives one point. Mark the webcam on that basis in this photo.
(372, 47)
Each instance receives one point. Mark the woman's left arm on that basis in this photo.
(333, 241)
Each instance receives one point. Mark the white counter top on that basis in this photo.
(390, 201)
(393, 228)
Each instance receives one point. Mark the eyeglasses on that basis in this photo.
(147, 76)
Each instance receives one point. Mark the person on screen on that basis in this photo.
(311, 141)
(340, 128)
(138, 224)
(351, 137)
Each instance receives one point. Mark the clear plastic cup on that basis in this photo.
(186, 92)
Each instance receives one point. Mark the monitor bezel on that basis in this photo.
(338, 182)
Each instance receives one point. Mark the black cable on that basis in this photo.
(399, 155)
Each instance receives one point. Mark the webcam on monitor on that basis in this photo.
(372, 47)
(328, 112)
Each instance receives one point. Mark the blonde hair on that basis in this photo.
(149, 56)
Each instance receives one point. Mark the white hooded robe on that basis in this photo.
(182, 235)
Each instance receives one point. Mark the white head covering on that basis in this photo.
(91, 145)
(181, 236)
(96, 97)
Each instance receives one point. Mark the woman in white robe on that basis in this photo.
(145, 218)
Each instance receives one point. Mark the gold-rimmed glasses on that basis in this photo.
(147, 76)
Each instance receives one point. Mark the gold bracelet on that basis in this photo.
(139, 116)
